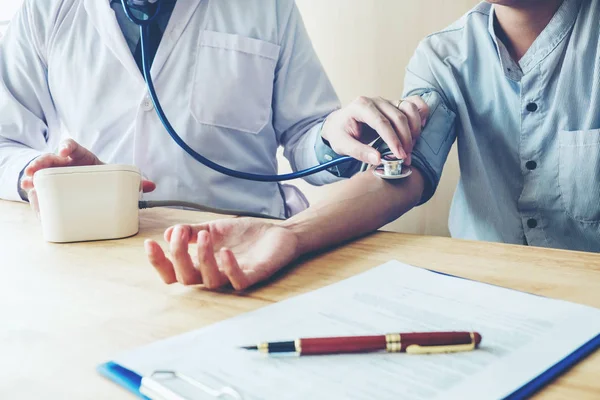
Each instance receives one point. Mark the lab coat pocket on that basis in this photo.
(579, 174)
(233, 83)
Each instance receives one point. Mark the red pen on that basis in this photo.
(412, 343)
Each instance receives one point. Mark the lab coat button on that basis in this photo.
(147, 104)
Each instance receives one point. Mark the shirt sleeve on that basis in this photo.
(433, 146)
(303, 95)
(325, 154)
(26, 108)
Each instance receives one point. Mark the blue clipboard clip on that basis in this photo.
(156, 387)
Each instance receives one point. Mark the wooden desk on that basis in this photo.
(65, 308)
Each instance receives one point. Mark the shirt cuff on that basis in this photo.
(305, 156)
(326, 154)
(11, 174)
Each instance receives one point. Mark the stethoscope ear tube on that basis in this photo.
(141, 22)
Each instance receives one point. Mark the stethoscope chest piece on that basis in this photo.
(392, 168)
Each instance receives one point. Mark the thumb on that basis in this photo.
(33, 202)
(148, 186)
(352, 147)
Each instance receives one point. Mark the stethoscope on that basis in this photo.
(390, 168)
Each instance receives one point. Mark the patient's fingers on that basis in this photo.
(239, 280)
(45, 161)
(160, 262)
(191, 229)
(184, 267)
(212, 277)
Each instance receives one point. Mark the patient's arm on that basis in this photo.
(357, 206)
(245, 251)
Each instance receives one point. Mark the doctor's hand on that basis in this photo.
(239, 252)
(350, 129)
(70, 154)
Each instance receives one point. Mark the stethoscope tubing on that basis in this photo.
(144, 36)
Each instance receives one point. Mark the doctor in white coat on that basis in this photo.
(237, 78)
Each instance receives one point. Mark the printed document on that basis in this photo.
(523, 335)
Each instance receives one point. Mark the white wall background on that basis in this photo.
(364, 46)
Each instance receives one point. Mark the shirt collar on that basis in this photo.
(145, 9)
(558, 27)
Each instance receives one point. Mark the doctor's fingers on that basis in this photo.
(77, 153)
(148, 186)
(33, 202)
(349, 145)
(27, 183)
(413, 117)
(421, 105)
(160, 262)
(45, 161)
(403, 123)
(367, 110)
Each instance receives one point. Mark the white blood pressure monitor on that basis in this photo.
(97, 202)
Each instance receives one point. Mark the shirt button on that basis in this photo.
(532, 107)
(147, 104)
(531, 165)
(532, 223)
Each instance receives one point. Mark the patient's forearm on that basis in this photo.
(356, 206)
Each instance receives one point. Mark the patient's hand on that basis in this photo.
(237, 251)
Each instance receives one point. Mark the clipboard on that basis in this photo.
(153, 388)
(156, 385)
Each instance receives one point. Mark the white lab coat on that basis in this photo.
(237, 78)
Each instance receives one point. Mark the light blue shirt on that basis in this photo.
(527, 132)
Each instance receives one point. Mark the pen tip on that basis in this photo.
(249, 347)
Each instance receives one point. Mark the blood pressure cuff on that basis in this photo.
(433, 146)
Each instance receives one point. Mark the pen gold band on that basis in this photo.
(298, 345)
(393, 343)
(263, 348)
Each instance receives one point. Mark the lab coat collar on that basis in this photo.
(182, 14)
(103, 18)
